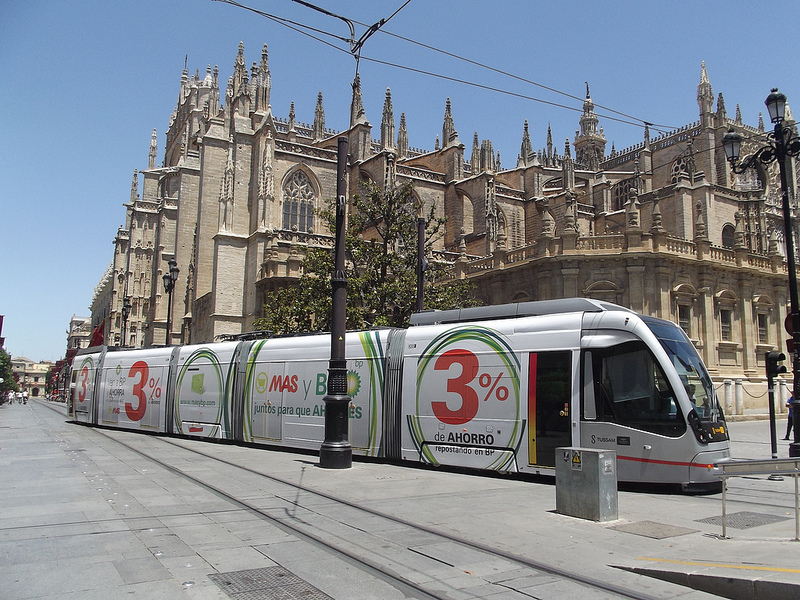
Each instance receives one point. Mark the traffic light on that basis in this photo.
(773, 368)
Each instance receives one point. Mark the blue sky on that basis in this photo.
(85, 83)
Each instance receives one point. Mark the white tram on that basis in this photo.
(497, 387)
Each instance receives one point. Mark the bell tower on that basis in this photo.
(590, 143)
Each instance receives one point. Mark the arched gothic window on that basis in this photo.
(298, 202)
(679, 167)
(728, 236)
(620, 194)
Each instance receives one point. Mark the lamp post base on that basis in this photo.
(333, 456)
(336, 451)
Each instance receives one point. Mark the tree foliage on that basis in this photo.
(9, 383)
(381, 269)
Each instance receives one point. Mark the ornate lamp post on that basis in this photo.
(781, 144)
(126, 310)
(336, 451)
(169, 278)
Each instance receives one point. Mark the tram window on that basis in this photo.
(630, 388)
(589, 402)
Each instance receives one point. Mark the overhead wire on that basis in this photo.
(293, 25)
(356, 52)
(298, 27)
(518, 78)
(490, 88)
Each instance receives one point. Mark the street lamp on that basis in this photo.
(335, 452)
(781, 143)
(169, 278)
(126, 310)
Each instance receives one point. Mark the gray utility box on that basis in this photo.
(586, 483)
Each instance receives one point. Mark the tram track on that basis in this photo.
(310, 515)
(438, 533)
(341, 537)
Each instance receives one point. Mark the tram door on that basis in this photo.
(549, 402)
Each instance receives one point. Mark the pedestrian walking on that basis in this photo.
(791, 417)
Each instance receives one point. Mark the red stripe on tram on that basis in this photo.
(672, 463)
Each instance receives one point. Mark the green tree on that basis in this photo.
(9, 383)
(381, 264)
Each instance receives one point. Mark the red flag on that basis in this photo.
(97, 334)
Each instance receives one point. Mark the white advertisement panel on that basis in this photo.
(133, 389)
(286, 383)
(202, 390)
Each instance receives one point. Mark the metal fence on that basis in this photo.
(776, 467)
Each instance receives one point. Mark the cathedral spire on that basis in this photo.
(449, 133)
(475, 161)
(387, 122)
(239, 70)
(549, 144)
(722, 114)
(135, 186)
(226, 191)
(705, 95)
(263, 82)
(184, 82)
(319, 119)
(151, 158)
(292, 116)
(487, 156)
(357, 114)
(526, 149)
(402, 137)
(568, 168)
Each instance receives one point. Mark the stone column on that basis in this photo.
(636, 287)
(663, 277)
(728, 397)
(708, 325)
(739, 395)
(570, 282)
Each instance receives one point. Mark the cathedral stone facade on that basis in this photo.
(663, 227)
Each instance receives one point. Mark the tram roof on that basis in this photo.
(515, 310)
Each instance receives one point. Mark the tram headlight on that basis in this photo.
(697, 427)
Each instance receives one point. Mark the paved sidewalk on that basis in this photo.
(80, 519)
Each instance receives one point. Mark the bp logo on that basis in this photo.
(353, 383)
(119, 368)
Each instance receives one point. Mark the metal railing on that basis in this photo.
(789, 467)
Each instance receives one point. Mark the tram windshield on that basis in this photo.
(690, 368)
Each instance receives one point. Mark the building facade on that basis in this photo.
(31, 376)
(663, 227)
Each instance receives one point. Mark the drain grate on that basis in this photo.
(744, 520)
(269, 583)
(654, 530)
